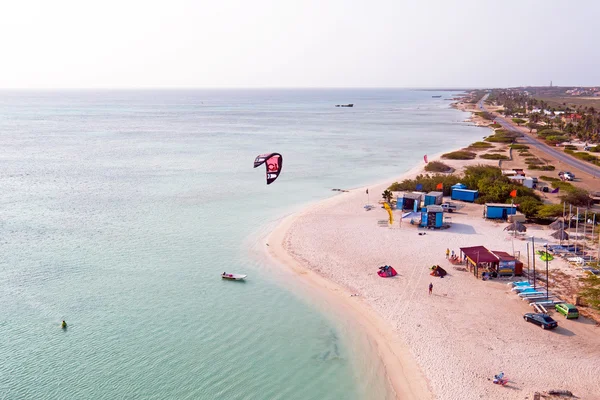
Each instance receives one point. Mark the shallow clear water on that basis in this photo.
(119, 210)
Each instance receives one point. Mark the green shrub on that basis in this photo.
(437, 166)
(550, 211)
(518, 121)
(518, 146)
(525, 153)
(460, 155)
(570, 147)
(495, 126)
(542, 167)
(533, 161)
(595, 149)
(528, 205)
(489, 156)
(544, 133)
(480, 145)
(549, 178)
(429, 183)
(582, 155)
(577, 197)
(557, 138)
(485, 115)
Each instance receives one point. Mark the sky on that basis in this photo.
(308, 43)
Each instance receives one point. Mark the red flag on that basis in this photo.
(440, 186)
(425, 158)
(513, 193)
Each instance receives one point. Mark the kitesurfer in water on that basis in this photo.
(64, 324)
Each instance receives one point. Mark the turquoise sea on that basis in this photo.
(119, 210)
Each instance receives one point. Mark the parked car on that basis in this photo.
(449, 207)
(543, 320)
(568, 310)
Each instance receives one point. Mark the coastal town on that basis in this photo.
(501, 232)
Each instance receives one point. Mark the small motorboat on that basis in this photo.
(233, 277)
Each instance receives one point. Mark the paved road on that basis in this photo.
(562, 157)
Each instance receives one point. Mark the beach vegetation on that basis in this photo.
(437, 166)
(502, 136)
(387, 195)
(582, 155)
(542, 167)
(480, 145)
(590, 291)
(518, 146)
(528, 205)
(518, 121)
(595, 149)
(577, 197)
(547, 211)
(491, 156)
(570, 147)
(486, 115)
(429, 183)
(525, 153)
(460, 155)
(549, 178)
(532, 126)
(495, 125)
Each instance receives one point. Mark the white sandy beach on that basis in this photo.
(448, 345)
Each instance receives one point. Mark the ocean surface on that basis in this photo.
(120, 209)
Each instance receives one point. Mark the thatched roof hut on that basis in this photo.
(516, 226)
(558, 224)
(560, 234)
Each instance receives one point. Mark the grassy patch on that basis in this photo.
(495, 126)
(459, 155)
(517, 146)
(489, 156)
(480, 145)
(437, 166)
(542, 167)
(525, 154)
(549, 178)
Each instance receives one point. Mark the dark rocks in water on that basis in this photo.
(344, 105)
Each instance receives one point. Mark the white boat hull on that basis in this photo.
(234, 277)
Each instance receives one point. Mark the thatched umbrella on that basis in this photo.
(560, 234)
(516, 226)
(558, 224)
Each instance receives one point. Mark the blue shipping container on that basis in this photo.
(499, 211)
(465, 195)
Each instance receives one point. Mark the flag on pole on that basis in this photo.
(554, 191)
(513, 193)
(440, 186)
(425, 158)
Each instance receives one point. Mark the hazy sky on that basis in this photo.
(279, 43)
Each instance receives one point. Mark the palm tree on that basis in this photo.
(387, 196)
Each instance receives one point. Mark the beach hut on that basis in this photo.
(409, 202)
(432, 216)
(460, 192)
(498, 210)
(560, 234)
(433, 198)
(507, 264)
(516, 227)
(478, 259)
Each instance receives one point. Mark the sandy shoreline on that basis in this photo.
(402, 372)
(444, 346)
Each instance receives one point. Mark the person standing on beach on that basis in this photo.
(430, 287)
(447, 253)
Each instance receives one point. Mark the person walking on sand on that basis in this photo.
(447, 253)
(430, 287)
